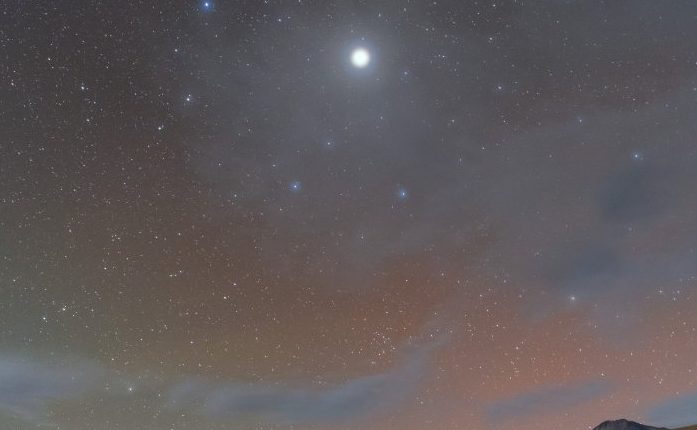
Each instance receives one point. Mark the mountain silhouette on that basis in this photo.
(631, 425)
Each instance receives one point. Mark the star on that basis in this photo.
(295, 186)
(402, 194)
(360, 58)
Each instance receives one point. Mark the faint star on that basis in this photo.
(402, 194)
(295, 186)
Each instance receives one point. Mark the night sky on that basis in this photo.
(347, 215)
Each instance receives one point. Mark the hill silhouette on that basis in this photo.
(631, 425)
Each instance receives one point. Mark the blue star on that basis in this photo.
(295, 186)
(402, 193)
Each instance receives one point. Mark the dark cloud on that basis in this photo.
(602, 216)
(590, 261)
(547, 399)
(633, 194)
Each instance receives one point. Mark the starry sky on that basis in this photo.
(342, 215)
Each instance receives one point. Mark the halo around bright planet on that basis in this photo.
(360, 57)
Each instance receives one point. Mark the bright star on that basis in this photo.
(360, 57)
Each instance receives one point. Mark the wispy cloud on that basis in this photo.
(677, 411)
(547, 399)
(353, 400)
(28, 387)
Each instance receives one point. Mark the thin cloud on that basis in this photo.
(548, 399)
(353, 400)
(28, 387)
(677, 411)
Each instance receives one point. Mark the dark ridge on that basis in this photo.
(625, 425)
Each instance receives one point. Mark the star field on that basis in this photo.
(347, 214)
